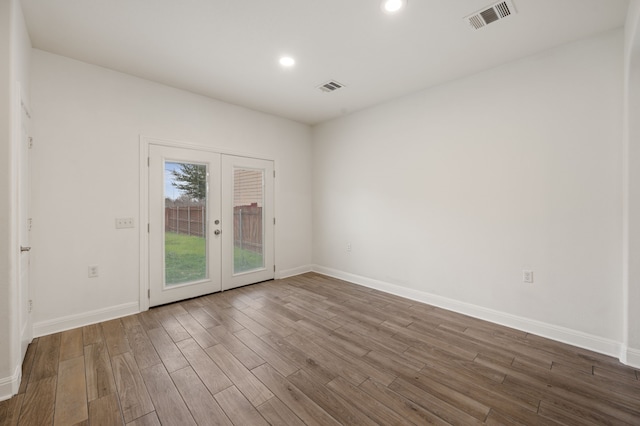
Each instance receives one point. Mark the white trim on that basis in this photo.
(9, 386)
(630, 357)
(26, 329)
(560, 334)
(286, 273)
(79, 320)
(143, 220)
(188, 145)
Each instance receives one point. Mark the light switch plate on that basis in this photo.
(125, 222)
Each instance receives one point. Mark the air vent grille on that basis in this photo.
(491, 14)
(503, 9)
(330, 86)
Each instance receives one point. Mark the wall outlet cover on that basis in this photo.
(94, 271)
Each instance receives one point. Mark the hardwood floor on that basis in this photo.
(318, 351)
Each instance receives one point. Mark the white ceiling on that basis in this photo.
(229, 49)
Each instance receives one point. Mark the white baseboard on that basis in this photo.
(9, 386)
(630, 357)
(79, 320)
(286, 273)
(560, 334)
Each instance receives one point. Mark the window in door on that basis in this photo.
(185, 208)
(248, 220)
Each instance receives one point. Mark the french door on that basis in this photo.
(210, 222)
(247, 211)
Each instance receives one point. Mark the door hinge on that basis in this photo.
(274, 173)
(148, 161)
(148, 293)
(30, 306)
(148, 228)
(274, 220)
(30, 143)
(274, 268)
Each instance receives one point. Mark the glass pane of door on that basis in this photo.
(185, 212)
(185, 233)
(248, 220)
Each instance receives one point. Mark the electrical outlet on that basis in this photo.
(348, 246)
(527, 276)
(124, 222)
(93, 271)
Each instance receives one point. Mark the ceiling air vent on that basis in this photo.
(491, 14)
(330, 86)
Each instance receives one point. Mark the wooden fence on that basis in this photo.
(187, 220)
(190, 220)
(247, 227)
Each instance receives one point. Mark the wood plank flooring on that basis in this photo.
(317, 351)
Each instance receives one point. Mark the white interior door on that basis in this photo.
(184, 224)
(24, 194)
(247, 212)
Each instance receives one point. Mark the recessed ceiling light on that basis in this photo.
(393, 6)
(287, 61)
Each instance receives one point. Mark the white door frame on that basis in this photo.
(145, 141)
(23, 221)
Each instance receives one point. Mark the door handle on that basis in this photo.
(217, 232)
(22, 248)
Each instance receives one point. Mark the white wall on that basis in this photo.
(21, 59)
(631, 267)
(448, 194)
(87, 122)
(15, 48)
(7, 273)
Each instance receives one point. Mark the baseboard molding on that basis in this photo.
(9, 386)
(286, 273)
(79, 320)
(550, 331)
(630, 357)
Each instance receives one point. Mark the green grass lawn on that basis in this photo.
(185, 259)
(246, 260)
